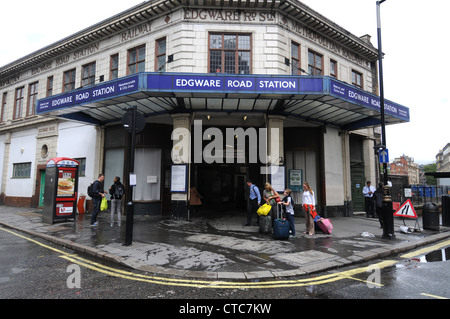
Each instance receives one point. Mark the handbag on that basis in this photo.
(264, 210)
(104, 204)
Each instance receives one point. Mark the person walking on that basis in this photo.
(116, 191)
(254, 202)
(309, 208)
(368, 192)
(98, 194)
(289, 206)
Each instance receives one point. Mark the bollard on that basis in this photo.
(388, 216)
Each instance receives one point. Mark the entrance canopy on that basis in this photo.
(321, 100)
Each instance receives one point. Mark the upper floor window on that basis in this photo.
(333, 68)
(2, 115)
(160, 55)
(32, 97)
(114, 67)
(357, 79)
(50, 86)
(136, 60)
(315, 63)
(88, 74)
(295, 59)
(18, 103)
(230, 53)
(69, 80)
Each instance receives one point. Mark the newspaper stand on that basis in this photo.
(61, 188)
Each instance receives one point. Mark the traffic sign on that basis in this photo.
(406, 210)
(384, 156)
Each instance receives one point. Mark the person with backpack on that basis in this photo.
(95, 190)
(116, 191)
(288, 208)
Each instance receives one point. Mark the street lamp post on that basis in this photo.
(388, 217)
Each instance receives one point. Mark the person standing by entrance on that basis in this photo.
(309, 208)
(368, 192)
(270, 196)
(289, 208)
(98, 194)
(195, 200)
(254, 202)
(116, 191)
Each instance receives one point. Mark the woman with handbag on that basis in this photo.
(271, 197)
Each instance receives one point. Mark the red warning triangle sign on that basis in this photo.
(406, 210)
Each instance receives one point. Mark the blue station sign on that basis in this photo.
(264, 86)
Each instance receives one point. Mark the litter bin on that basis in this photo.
(80, 205)
(430, 216)
(446, 210)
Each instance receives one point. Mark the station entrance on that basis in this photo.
(221, 180)
(223, 187)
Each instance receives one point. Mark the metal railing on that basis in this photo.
(420, 194)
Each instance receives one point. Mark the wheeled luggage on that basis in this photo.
(280, 226)
(325, 224)
(265, 224)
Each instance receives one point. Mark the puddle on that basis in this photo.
(436, 255)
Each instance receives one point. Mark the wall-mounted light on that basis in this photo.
(245, 118)
(22, 150)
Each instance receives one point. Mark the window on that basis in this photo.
(32, 97)
(315, 65)
(136, 60)
(161, 55)
(230, 53)
(69, 80)
(2, 115)
(333, 68)
(357, 79)
(50, 86)
(295, 59)
(18, 104)
(21, 170)
(88, 74)
(114, 67)
(82, 166)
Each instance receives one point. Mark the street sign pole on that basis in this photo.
(388, 217)
(130, 208)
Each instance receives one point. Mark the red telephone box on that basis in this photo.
(61, 190)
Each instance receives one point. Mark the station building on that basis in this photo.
(288, 84)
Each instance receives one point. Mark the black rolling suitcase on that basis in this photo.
(265, 224)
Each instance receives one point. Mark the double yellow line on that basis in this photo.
(217, 284)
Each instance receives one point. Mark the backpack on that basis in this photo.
(118, 191)
(90, 190)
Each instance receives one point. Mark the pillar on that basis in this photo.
(181, 155)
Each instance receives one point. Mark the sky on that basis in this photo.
(415, 67)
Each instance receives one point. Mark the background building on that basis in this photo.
(404, 165)
(443, 165)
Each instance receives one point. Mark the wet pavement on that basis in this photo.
(219, 246)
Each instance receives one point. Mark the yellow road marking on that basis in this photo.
(433, 296)
(426, 250)
(324, 279)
